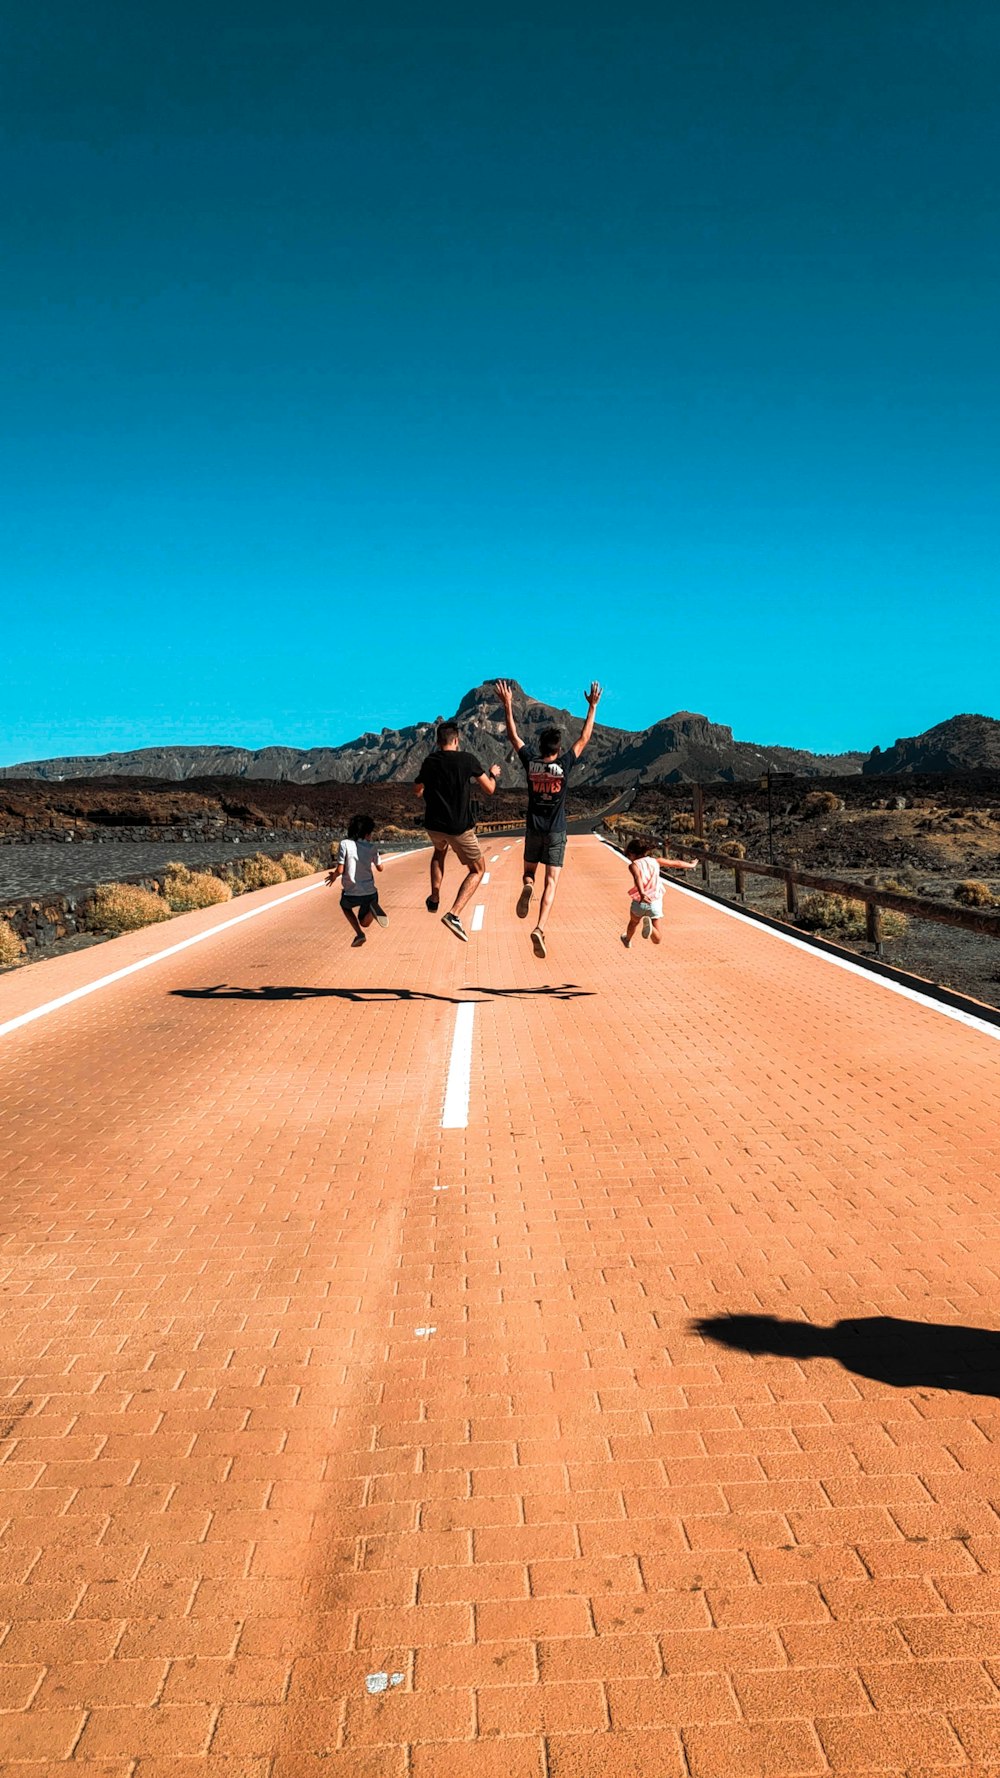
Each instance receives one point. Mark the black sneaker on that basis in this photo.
(454, 925)
(432, 904)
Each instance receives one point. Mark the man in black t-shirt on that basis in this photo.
(548, 772)
(445, 782)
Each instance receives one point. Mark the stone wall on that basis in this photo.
(42, 921)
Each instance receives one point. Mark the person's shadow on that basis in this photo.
(904, 1354)
(371, 996)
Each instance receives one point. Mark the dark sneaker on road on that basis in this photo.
(524, 901)
(538, 941)
(360, 940)
(647, 925)
(432, 904)
(454, 925)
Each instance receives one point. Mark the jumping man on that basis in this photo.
(548, 773)
(445, 782)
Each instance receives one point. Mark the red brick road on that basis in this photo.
(235, 1482)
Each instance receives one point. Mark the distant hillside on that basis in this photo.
(678, 749)
(962, 744)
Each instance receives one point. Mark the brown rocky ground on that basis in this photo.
(85, 808)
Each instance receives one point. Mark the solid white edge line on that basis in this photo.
(183, 944)
(455, 1113)
(478, 915)
(868, 975)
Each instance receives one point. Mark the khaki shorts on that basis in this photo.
(465, 845)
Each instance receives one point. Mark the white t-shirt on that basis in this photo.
(650, 882)
(357, 860)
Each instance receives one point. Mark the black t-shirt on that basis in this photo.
(447, 781)
(548, 782)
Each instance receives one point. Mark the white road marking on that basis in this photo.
(495, 858)
(486, 877)
(506, 848)
(868, 975)
(184, 944)
(478, 915)
(455, 1115)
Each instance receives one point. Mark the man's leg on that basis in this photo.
(552, 874)
(527, 886)
(467, 848)
(469, 884)
(437, 877)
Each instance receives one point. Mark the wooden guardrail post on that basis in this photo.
(706, 871)
(873, 925)
(740, 882)
(791, 893)
(699, 811)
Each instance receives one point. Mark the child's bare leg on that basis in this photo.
(367, 918)
(353, 918)
(633, 927)
(655, 933)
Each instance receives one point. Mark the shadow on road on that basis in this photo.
(373, 996)
(904, 1354)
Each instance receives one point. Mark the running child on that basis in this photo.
(357, 860)
(647, 890)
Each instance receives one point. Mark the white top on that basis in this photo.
(651, 886)
(357, 859)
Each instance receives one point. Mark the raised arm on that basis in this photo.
(505, 693)
(488, 780)
(593, 699)
(677, 863)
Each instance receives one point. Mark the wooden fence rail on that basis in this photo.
(920, 907)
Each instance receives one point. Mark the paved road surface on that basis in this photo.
(301, 1388)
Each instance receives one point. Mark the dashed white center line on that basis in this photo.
(455, 1115)
(486, 877)
(495, 857)
(478, 915)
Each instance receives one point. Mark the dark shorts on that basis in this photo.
(359, 904)
(545, 848)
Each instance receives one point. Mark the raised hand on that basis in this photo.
(504, 691)
(593, 696)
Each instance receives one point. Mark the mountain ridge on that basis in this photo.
(682, 747)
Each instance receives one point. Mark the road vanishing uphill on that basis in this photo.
(640, 1422)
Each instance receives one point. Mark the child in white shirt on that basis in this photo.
(357, 860)
(647, 890)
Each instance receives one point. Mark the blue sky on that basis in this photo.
(347, 364)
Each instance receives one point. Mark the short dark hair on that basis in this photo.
(640, 848)
(550, 740)
(447, 731)
(360, 826)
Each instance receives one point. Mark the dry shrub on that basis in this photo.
(294, 865)
(732, 849)
(719, 825)
(845, 917)
(186, 889)
(821, 802)
(11, 946)
(897, 887)
(973, 894)
(124, 907)
(683, 823)
(257, 872)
